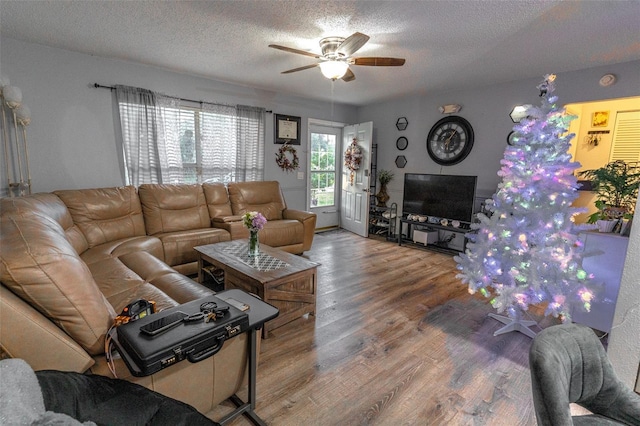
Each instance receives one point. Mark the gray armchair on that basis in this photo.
(569, 364)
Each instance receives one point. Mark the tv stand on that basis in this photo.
(433, 236)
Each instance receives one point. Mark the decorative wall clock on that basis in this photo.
(450, 140)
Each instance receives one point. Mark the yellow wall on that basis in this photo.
(588, 155)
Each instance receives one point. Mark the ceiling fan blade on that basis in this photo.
(352, 44)
(377, 62)
(349, 75)
(306, 67)
(292, 50)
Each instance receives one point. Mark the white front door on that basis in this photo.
(354, 203)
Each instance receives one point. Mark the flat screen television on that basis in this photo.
(444, 196)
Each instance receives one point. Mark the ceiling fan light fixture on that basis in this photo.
(334, 70)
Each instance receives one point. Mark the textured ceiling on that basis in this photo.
(447, 45)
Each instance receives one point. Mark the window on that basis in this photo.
(323, 169)
(201, 146)
(166, 142)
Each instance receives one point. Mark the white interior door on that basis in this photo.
(354, 200)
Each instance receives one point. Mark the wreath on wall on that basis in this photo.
(352, 158)
(283, 161)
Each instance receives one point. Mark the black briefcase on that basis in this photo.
(158, 341)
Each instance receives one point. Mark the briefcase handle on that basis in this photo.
(209, 352)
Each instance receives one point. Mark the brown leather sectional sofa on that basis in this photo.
(71, 260)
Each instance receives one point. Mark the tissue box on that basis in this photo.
(425, 237)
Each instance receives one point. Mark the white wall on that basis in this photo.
(71, 136)
(487, 109)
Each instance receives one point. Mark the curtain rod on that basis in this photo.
(100, 86)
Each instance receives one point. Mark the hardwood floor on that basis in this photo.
(397, 339)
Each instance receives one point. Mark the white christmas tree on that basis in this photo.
(526, 250)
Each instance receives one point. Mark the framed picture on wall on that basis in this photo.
(600, 119)
(287, 129)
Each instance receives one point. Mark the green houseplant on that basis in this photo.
(384, 177)
(616, 187)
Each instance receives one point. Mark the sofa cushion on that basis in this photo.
(169, 208)
(151, 245)
(23, 328)
(49, 205)
(140, 275)
(105, 214)
(40, 266)
(280, 233)
(264, 197)
(217, 200)
(180, 288)
(178, 246)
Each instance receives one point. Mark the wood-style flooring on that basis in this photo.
(397, 340)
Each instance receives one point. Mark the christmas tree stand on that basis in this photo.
(514, 325)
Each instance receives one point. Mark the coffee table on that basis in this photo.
(281, 279)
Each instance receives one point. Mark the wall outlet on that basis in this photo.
(300, 175)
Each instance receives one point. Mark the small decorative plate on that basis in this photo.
(402, 143)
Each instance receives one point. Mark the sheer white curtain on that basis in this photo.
(140, 121)
(219, 144)
(164, 142)
(176, 122)
(250, 136)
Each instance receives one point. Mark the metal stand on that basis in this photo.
(247, 408)
(514, 325)
(13, 152)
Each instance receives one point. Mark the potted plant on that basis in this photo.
(616, 187)
(384, 177)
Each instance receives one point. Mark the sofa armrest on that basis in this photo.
(235, 228)
(26, 333)
(225, 219)
(308, 221)
(299, 215)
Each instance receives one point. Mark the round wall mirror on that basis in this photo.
(402, 143)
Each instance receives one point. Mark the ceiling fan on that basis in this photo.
(336, 57)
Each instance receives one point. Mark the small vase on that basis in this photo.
(382, 196)
(606, 225)
(254, 244)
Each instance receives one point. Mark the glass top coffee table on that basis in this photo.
(284, 280)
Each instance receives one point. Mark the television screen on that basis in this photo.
(444, 196)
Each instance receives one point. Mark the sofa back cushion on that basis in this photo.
(263, 197)
(40, 266)
(217, 199)
(170, 208)
(47, 205)
(105, 214)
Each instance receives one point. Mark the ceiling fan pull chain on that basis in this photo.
(332, 83)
